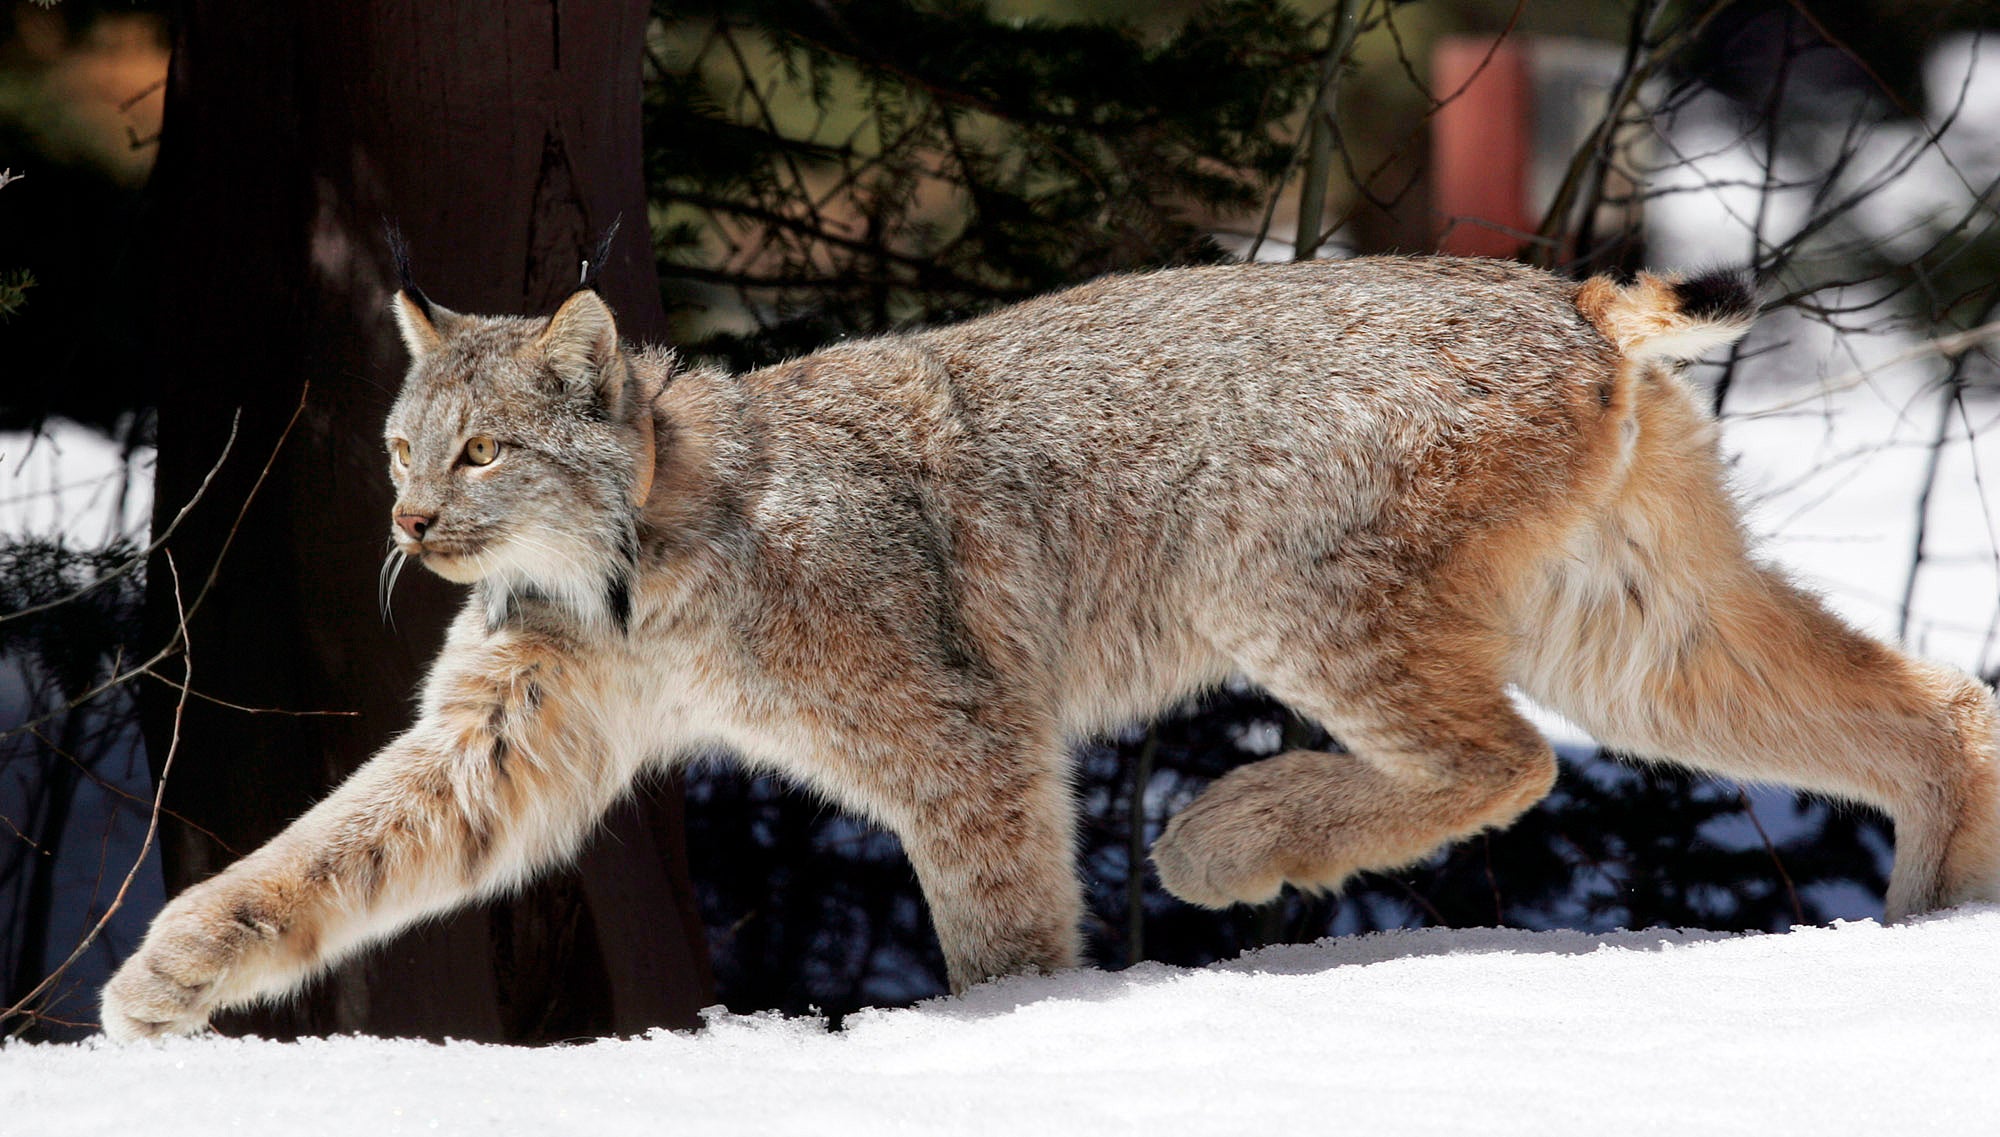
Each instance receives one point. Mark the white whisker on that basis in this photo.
(385, 583)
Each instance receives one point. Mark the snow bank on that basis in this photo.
(72, 481)
(1839, 1030)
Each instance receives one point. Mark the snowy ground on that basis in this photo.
(1849, 1029)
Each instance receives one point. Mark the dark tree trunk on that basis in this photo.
(503, 136)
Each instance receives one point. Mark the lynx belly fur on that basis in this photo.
(911, 572)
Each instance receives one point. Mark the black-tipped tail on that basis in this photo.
(1722, 295)
(1660, 318)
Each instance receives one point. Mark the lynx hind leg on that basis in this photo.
(1436, 753)
(1656, 632)
(992, 841)
(1734, 671)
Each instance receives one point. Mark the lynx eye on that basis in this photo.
(402, 449)
(481, 450)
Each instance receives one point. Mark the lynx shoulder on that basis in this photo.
(911, 572)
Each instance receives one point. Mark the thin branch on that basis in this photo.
(1135, 848)
(109, 787)
(1791, 889)
(21, 1008)
(142, 555)
(140, 96)
(1362, 182)
(16, 830)
(1951, 347)
(1632, 78)
(1322, 132)
(119, 679)
(1954, 390)
(149, 672)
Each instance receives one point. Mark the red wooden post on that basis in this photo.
(1481, 144)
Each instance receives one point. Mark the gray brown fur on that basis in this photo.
(911, 572)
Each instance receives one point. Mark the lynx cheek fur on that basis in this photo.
(910, 572)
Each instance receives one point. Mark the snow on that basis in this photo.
(1845, 1029)
(1830, 487)
(70, 480)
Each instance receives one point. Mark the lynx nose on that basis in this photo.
(415, 524)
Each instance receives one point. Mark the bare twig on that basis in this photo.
(1135, 849)
(1642, 63)
(139, 96)
(1362, 182)
(206, 698)
(109, 787)
(1322, 130)
(1791, 890)
(1422, 901)
(1953, 399)
(119, 679)
(1951, 347)
(25, 839)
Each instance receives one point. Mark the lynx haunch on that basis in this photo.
(911, 572)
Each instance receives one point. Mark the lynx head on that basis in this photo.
(521, 450)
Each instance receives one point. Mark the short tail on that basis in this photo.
(1666, 318)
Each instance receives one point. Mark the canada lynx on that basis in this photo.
(910, 572)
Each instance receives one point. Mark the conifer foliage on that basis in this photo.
(847, 168)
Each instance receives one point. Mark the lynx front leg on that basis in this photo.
(497, 779)
(993, 847)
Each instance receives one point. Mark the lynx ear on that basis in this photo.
(418, 319)
(581, 344)
(423, 324)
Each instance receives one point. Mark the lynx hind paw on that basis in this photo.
(1251, 833)
(1206, 858)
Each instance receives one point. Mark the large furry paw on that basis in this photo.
(175, 980)
(1223, 849)
(1253, 831)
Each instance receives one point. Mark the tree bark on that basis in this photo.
(503, 137)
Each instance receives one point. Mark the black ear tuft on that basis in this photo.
(1722, 294)
(593, 267)
(399, 255)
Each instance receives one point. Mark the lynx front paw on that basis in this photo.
(176, 978)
